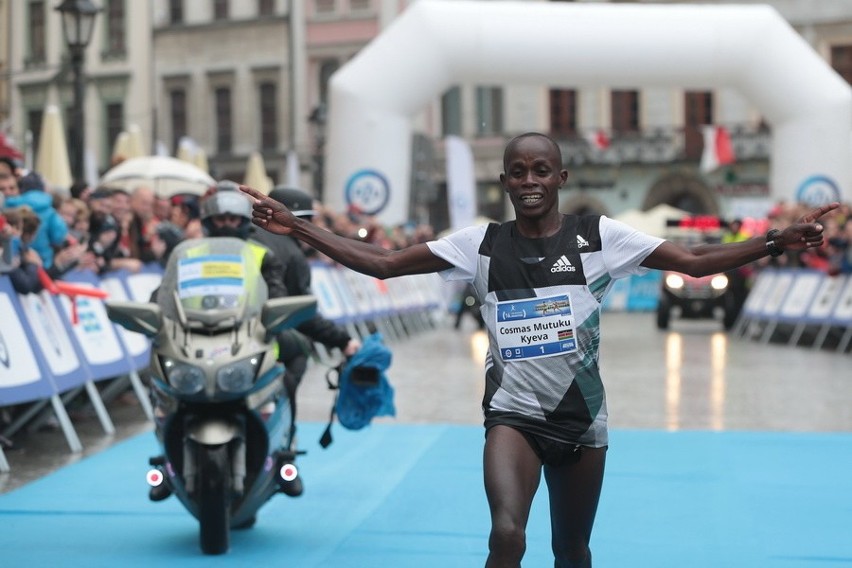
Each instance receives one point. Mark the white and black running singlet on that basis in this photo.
(541, 301)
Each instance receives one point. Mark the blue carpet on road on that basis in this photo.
(411, 496)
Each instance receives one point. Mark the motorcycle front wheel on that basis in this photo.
(213, 499)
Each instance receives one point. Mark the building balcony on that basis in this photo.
(662, 146)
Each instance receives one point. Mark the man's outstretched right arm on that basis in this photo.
(362, 257)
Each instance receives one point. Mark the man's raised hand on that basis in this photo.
(806, 232)
(269, 214)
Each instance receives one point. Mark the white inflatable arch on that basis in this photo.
(435, 44)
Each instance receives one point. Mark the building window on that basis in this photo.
(841, 61)
(37, 45)
(698, 111)
(176, 11)
(265, 7)
(34, 118)
(625, 111)
(116, 32)
(177, 106)
(489, 110)
(359, 5)
(114, 123)
(220, 9)
(563, 112)
(224, 129)
(324, 6)
(451, 112)
(268, 116)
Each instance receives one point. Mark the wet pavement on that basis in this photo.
(691, 377)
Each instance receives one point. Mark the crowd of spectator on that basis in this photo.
(834, 257)
(110, 229)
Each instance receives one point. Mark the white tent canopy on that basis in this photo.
(652, 221)
(747, 47)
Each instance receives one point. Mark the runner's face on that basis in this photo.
(533, 176)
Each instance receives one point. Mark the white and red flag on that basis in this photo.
(598, 139)
(718, 150)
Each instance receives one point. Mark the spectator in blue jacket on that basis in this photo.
(53, 230)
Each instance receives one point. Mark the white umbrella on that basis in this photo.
(52, 158)
(166, 175)
(653, 221)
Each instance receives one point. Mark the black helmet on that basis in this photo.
(297, 201)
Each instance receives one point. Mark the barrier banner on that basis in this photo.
(380, 292)
(22, 378)
(53, 341)
(137, 346)
(644, 292)
(329, 302)
(346, 295)
(759, 293)
(802, 293)
(843, 309)
(98, 338)
(616, 298)
(141, 285)
(776, 294)
(363, 302)
(826, 298)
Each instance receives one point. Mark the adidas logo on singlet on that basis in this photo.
(581, 242)
(562, 265)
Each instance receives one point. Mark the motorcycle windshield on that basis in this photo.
(213, 283)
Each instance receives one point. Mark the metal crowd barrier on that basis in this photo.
(51, 351)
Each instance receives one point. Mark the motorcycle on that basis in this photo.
(214, 383)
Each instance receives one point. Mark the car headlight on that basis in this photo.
(719, 282)
(185, 378)
(239, 376)
(674, 281)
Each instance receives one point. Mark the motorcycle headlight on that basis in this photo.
(185, 378)
(674, 281)
(239, 376)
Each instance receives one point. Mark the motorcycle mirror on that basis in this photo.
(144, 318)
(279, 314)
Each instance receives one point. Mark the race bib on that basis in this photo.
(538, 327)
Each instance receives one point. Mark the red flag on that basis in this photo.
(7, 150)
(598, 140)
(718, 150)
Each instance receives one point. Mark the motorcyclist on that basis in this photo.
(296, 345)
(226, 212)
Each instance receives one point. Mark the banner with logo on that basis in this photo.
(23, 377)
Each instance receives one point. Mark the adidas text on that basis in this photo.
(562, 265)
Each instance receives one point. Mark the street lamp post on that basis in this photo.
(78, 19)
(318, 119)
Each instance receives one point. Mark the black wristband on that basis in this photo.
(771, 246)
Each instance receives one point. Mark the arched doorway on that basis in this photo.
(583, 205)
(684, 191)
